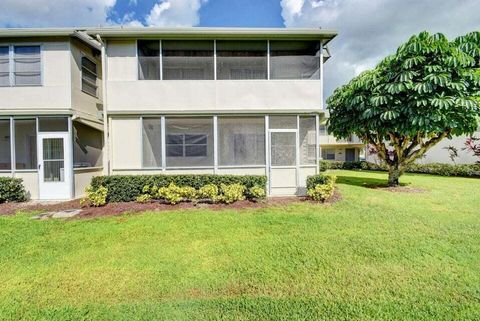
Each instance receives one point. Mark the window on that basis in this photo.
(189, 142)
(152, 142)
(27, 66)
(23, 68)
(328, 154)
(5, 151)
(308, 141)
(295, 60)
(323, 130)
(25, 143)
(241, 59)
(89, 77)
(4, 66)
(187, 145)
(241, 141)
(148, 59)
(187, 60)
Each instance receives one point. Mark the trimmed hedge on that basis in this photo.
(319, 179)
(12, 190)
(463, 170)
(126, 188)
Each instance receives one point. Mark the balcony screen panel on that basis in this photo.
(25, 143)
(189, 142)
(283, 122)
(307, 135)
(27, 68)
(294, 60)
(148, 59)
(241, 141)
(87, 146)
(152, 142)
(187, 60)
(5, 153)
(53, 124)
(241, 59)
(4, 67)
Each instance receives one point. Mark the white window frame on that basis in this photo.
(90, 82)
(11, 63)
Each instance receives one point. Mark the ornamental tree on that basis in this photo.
(428, 90)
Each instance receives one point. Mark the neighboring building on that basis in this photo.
(345, 150)
(190, 100)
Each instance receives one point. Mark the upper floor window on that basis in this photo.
(187, 60)
(89, 76)
(241, 59)
(20, 66)
(294, 60)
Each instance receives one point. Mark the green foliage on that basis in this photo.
(321, 187)
(463, 170)
(95, 196)
(426, 91)
(189, 193)
(126, 188)
(12, 190)
(232, 193)
(257, 192)
(210, 192)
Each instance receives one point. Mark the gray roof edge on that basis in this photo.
(154, 31)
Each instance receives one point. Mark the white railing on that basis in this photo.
(330, 139)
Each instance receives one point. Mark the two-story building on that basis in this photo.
(79, 103)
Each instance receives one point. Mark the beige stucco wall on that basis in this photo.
(81, 101)
(125, 142)
(438, 153)
(83, 177)
(127, 94)
(30, 181)
(54, 93)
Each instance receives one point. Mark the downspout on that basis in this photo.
(106, 149)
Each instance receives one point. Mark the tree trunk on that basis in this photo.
(394, 173)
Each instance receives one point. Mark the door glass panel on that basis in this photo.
(283, 149)
(53, 160)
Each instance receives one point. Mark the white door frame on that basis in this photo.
(270, 166)
(56, 190)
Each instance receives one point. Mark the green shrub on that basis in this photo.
(256, 192)
(95, 197)
(321, 187)
(12, 190)
(126, 188)
(232, 193)
(189, 193)
(464, 170)
(210, 192)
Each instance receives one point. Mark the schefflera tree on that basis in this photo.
(427, 91)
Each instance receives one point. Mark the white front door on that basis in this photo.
(55, 166)
(283, 162)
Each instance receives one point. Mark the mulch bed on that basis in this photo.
(133, 207)
(399, 189)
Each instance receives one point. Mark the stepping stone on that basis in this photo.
(59, 214)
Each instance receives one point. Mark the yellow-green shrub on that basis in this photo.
(188, 193)
(209, 191)
(95, 197)
(232, 193)
(171, 194)
(144, 198)
(323, 191)
(256, 192)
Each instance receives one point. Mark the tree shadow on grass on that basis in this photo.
(364, 181)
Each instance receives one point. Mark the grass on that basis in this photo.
(375, 255)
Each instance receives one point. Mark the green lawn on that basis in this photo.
(375, 255)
